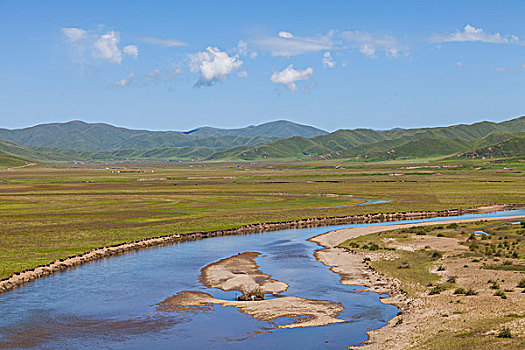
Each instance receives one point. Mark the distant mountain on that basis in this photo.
(480, 140)
(276, 129)
(373, 144)
(95, 137)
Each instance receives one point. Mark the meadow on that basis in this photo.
(55, 212)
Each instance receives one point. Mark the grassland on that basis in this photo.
(468, 287)
(50, 213)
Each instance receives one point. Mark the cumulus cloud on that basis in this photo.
(74, 34)
(102, 46)
(163, 42)
(286, 44)
(126, 81)
(106, 47)
(369, 44)
(328, 61)
(213, 65)
(473, 34)
(289, 76)
(131, 50)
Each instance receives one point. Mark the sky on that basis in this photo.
(177, 65)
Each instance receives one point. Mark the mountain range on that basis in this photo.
(95, 137)
(80, 141)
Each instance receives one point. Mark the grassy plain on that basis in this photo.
(470, 287)
(50, 213)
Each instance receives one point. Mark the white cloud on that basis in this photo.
(131, 50)
(328, 61)
(103, 46)
(242, 50)
(286, 44)
(74, 34)
(124, 82)
(369, 44)
(213, 65)
(284, 34)
(289, 76)
(472, 34)
(106, 47)
(163, 42)
(523, 65)
(459, 64)
(500, 69)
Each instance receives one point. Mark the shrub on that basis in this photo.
(471, 291)
(441, 268)
(505, 333)
(453, 225)
(521, 283)
(452, 279)
(436, 290)
(373, 246)
(501, 294)
(436, 255)
(460, 291)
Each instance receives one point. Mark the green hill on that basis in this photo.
(376, 144)
(478, 140)
(514, 147)
(275, 129)
(98, 137)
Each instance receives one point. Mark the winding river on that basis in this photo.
(111, 303)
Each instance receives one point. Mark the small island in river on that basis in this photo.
(241, 273)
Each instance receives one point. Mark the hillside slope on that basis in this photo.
(363, 142)
(95, 137)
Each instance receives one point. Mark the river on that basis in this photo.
(111, 303)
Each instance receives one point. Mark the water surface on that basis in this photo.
(110, 303)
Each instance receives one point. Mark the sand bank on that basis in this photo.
(241, 273)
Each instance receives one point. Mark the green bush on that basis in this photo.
(436, 290)
(505, 333)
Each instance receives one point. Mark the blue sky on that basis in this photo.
(332, 64)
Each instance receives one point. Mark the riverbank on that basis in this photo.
(20, 278)
(429, 320)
